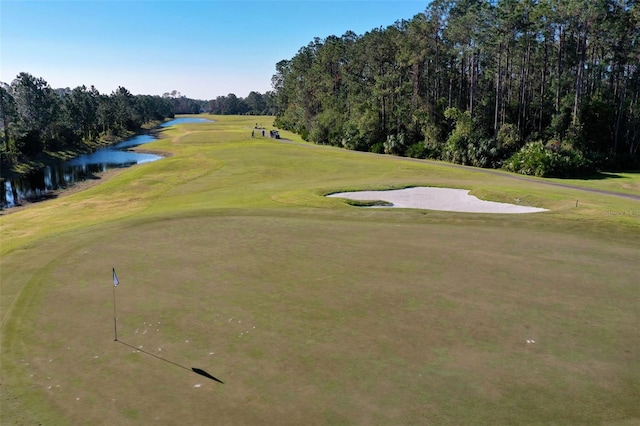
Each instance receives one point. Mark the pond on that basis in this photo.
(38, 184)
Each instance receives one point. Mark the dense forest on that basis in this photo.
(254, 104)
(541, 87)
(35, 118)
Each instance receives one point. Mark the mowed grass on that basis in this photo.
(621, 182)
(310, 310)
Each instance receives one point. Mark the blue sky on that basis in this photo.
(202, 49)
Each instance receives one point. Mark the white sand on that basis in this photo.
(446, 199)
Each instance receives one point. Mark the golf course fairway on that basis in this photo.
(231, 260)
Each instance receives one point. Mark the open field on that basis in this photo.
(312, 311)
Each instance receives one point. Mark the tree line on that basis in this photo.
(183, 105)
(37, 118)
(541, 87)
(254, 104)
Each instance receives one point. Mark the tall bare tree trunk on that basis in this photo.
(498, 92)
(542, 86)
(559, 69)
(472, 83)
(5, 121)
(619, 113)
(579, 77)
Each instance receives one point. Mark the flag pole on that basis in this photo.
(115, 323)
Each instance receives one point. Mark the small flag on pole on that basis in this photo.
(115, 278)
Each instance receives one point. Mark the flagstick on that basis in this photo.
(115, 324)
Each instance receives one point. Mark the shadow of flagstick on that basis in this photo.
(195, 370)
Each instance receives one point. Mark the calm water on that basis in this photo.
(39, 184)
(185, 120)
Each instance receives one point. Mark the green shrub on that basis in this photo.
(553, 160)
(395, 144)
(378, 148)
(483, 153)
(508, 138)
(455, 149)
(433, 141)
(417, 150)
(327, 129)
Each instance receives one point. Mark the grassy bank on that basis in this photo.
(15, 167)
(310, 310)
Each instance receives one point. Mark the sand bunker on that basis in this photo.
(446, 199)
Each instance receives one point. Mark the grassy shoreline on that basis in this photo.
(22, 167)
